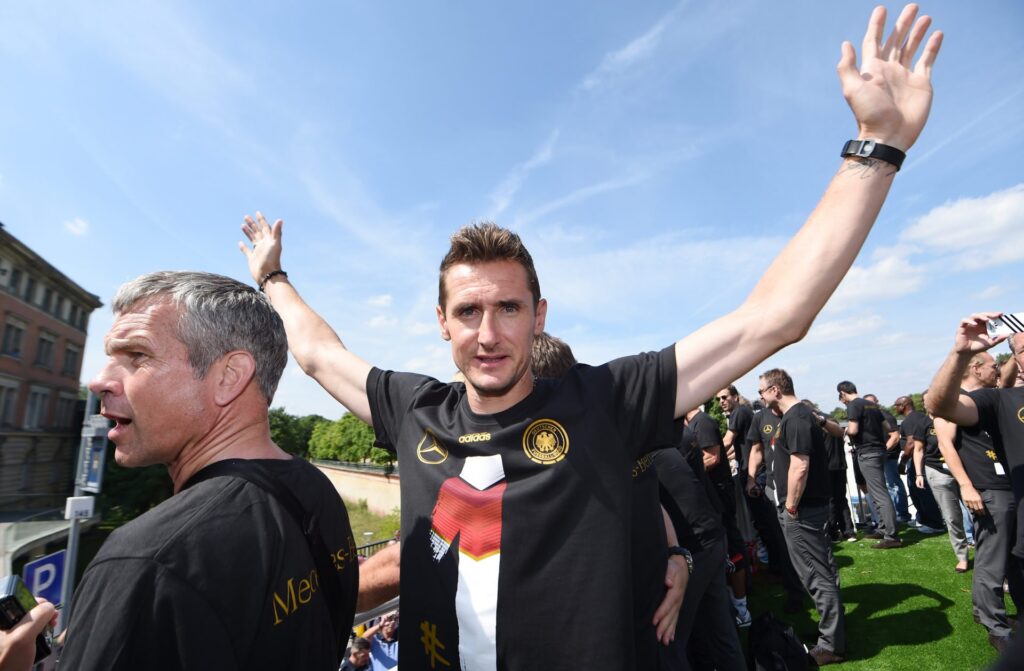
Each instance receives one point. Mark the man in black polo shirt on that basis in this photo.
(709, 438)
(761, 497)
(980, 471)
(706, 631)
(868, 433)
(916, 430)
(802, 489)
(999, 412)
(897, 492)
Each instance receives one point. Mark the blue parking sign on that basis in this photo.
(45, 576)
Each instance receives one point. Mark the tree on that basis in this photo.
(348, 439)
(714, 409)
(129, 492)
(292, 433)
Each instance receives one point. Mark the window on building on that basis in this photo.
(44, 350)
(73, 315)
(47, 299)
(8, 400)
(58, 310)
(35, 409)
(72, 355)
(30, 290)
(65, 410)
(14, 335)
(14, 281)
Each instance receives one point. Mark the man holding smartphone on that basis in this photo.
(18, 644)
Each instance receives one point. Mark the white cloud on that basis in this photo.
(381, 301)
(578, 196)
(615, 63)
(382, 322)
(421, 328)
(503, 194)
(890, 275)
(76, 226)
(988, 293)
(979, 232)
(621, 285)
(840, 329)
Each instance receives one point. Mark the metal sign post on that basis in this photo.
(88, 478)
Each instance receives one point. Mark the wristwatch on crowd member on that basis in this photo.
(684, 553)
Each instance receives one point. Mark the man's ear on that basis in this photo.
(540, 317)
(443, 323)
(233, 373)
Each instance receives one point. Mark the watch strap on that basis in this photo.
(684, 553)
(873, 149)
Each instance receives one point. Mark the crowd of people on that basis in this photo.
(519, 490)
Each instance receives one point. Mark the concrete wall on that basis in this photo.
(379, 490)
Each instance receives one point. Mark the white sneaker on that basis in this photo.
(743, 619)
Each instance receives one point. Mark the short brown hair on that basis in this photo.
(483, 242)
(779, 378)
(551, 357)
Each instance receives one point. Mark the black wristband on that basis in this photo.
(872, 149)
(272, 273)
(684, 553)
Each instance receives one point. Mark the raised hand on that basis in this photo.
(972, 334)
(265, 255)
(889, 98)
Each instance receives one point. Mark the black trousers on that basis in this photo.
(840, 520)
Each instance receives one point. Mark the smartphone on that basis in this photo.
(1005, 325)
(15, 602)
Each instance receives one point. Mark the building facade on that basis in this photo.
(44, 317)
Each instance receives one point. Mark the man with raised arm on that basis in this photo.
(530, 479)
(998, 412)
(980, 471)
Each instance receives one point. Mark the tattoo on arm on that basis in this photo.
(868, 167)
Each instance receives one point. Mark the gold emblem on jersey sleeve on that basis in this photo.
(429, 450)
(1020, 414)
(545, 442)
(768, 428)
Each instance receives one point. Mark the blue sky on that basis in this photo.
(654, 157)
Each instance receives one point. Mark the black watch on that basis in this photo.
(684, 553)
(872, 149)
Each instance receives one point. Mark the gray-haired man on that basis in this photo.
(220, 575)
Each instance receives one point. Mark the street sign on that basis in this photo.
(92, 453)
(79, 507)
(45, 576)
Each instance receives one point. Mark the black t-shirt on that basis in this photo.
(932, 455)
(514, 524)
(347, 665)
(835, 449)
(871, 435)
(762, 430)
(984, 462)
(740, 420)
(915, 427)
(690, 449)
(648, 546)
(688, 500)
(799, 433)
(706, 430)
(219, 576)
(894, 453)
(1001, 414)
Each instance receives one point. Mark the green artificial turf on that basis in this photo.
(905, 608)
